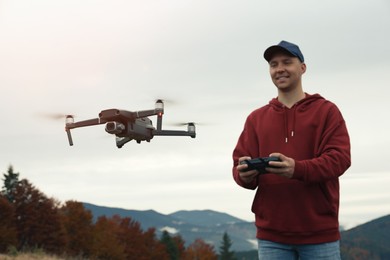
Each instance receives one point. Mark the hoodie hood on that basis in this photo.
(290, 113)
(301, 104)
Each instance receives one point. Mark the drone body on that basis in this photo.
(127, 125)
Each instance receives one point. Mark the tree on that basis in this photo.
(224, 249)
(11, 180)
(199, 250)
(78, 224)
(155, 249)
(37, 219)
(131, 236)
(8, 236)
(138, 244)
(174, 245)
(180, 245)
(106, 244)
(122, 238)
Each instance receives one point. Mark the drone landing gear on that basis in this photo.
(121, 141)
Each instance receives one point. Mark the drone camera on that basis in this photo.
(114, 127)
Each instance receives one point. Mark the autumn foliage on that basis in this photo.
(29, 220)
(7, 224)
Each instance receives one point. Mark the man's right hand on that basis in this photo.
(247, 176)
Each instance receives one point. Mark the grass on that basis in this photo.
(30, 256)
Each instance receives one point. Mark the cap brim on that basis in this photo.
(270, 52)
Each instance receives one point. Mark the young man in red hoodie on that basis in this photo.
(297, 201)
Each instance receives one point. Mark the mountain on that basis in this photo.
(205, 224)
(204, 217)
(147, 218)
(367, 241)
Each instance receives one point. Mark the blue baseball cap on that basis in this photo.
(284, 46)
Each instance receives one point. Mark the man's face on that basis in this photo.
(286, 71)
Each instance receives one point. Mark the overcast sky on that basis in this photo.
(81, 57)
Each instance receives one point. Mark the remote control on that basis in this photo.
(259, 164)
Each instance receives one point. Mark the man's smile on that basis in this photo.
(282, 77)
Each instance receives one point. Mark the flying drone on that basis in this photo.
(127, 125)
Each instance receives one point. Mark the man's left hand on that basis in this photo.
(283, 168)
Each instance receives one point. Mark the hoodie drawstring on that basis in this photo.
(293, 122)
(286, 123)
(301, 106)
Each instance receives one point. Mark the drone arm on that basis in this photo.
(174, 133)
(158, 110)
(89, 122)
(146, 113)
(159, 122)
(69, 136)
(70, 125)
(116, 114)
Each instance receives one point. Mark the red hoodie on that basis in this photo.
(303, 209)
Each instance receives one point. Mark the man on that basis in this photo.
(296, 203)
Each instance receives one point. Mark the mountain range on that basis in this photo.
(208, 225)
(366, 241)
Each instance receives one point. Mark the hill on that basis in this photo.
(205, 224)
(367, 241)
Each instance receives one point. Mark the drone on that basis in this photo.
(128, 125)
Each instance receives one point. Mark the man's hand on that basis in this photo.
(248, 176)
(284, 168)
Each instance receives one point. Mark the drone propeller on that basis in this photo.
(166, 101)
(185, 123)
(56, 116)
(190, 126)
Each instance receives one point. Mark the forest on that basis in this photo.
(29, 220)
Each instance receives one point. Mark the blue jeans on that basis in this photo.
(269, 250)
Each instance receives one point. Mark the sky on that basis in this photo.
(205, 59)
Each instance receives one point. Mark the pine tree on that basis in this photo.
(224, 249)
(11, 180)
(170, 245)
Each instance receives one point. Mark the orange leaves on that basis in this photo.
(200, 250)
(31, 220)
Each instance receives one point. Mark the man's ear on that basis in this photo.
(303, 67)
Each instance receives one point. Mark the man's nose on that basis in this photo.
(280, 68)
